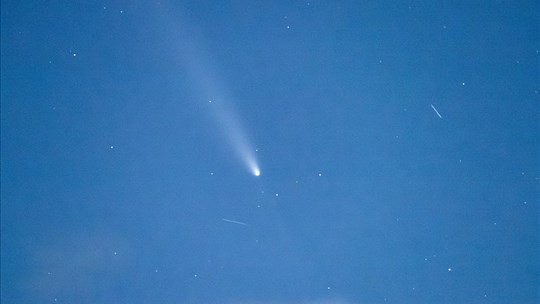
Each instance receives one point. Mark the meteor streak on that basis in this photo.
(234, 222)
(436, 112)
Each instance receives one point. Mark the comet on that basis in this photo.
(234, 132)
(212, 90)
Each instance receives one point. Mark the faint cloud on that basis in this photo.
(77, 265)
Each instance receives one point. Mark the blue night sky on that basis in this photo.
(397, 143)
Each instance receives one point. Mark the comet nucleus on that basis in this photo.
(256, 171)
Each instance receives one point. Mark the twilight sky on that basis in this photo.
(398, 144)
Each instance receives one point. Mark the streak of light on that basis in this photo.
(234, 222)
(436, 112)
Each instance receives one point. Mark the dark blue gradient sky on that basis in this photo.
(117, 171)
